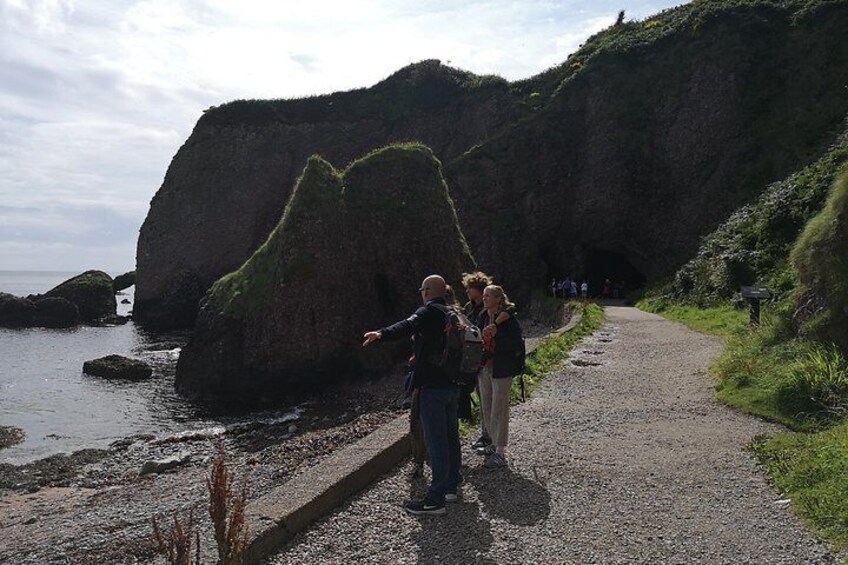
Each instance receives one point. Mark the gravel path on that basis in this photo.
(622, 456)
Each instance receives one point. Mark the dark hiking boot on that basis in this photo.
(482, 441)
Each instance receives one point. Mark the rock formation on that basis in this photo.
(122, 282)
(15, 312)
(118, 367)
(227, 186)
(91, 292)
(55, 312)
(639, 144)
(347, 256)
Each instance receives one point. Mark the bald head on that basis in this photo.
(433, 286)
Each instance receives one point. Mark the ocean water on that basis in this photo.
(44, 391)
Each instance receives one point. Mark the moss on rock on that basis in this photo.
(346, 256)
(92, 292)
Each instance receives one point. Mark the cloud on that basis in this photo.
(97, 96)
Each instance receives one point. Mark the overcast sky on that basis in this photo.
(97, 96)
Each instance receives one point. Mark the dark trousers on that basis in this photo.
(441, 433)
(416, 434)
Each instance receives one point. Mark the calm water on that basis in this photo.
(44, 392)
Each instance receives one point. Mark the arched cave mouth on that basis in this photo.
(602, 265)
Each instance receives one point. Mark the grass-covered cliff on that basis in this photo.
(346, 257)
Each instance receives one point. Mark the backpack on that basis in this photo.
(463, 353)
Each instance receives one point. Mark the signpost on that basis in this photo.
(753, 294)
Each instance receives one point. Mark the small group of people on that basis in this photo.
(613, 289)
(436, 395)
(567, 288)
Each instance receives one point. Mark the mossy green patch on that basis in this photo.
(724, 320)
(316, 198)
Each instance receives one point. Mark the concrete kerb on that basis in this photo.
(279, 515)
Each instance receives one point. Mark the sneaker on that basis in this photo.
(494, 461)
(453, 497)
(482, 441)
(425, 507)
(487, 450)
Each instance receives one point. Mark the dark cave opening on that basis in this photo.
(602, 266)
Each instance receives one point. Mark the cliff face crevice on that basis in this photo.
(639, 144)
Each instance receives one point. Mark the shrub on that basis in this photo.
(822, 377)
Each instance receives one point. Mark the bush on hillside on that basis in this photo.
(821, 260)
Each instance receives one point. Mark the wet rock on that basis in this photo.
(124, 281)
(90, 291)
(56, 312)
(15, 312)
(156, 467)
(10, 436)
(118, 367)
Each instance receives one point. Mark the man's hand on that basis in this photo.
(371, 337)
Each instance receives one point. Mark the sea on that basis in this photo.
(44, 392)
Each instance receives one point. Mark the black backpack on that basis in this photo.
(463, 352)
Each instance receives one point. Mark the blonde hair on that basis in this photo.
(499, 293)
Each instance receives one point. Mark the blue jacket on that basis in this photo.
(427, 327)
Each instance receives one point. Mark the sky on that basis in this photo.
(96, 96)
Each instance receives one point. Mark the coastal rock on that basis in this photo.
(118, 367)
(15, 312)
(347, 256)
(122, 282)
(156, 467)
(90, 291)
(556, 174)
(55, 312)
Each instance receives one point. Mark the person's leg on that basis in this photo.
(416, 434)
(433, 420)
(454, 448)
(484, 385)
(500, 414)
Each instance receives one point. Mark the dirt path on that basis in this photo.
(622, 456)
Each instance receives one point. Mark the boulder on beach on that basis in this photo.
(118, 367)
(91, 291)
(347, 256)
(15, 312)
(124, 281)
(55, 312)
(158, 466)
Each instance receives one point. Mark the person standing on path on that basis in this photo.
(502, 346)
(438, 394)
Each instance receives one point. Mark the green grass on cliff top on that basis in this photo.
(428, 85)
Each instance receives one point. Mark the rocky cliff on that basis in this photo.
(616, 162)
(347, 256)
(228, 184)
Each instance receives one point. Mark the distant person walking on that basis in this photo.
(572, 291)
(437, 393)
(584, 290)
(502, 347)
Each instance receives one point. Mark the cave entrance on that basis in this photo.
(602, 265)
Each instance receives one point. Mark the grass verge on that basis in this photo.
(550, 353)
(723, 321)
